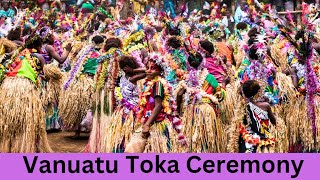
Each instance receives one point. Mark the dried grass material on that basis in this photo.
(227, 106)
(204, 131)
(238, 57)
(54, 83)
(233, 130)
(76, 101)
(279, 56)
(78, 45)
(157, 142)
(298, 125)
(8, 45)
(286, 89)
(119, 130)
(286, 86)
(280, 133)
(101, 120)
(22, 124)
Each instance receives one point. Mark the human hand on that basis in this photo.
(128, 69)
(145, 131)
(69, 47)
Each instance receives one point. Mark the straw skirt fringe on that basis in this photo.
(119, 131)
(203, 129)
(229, 103)
(100, 122)
(280, 133)
(75, 102)
(51, 90)
(22, 125)
(160, 139)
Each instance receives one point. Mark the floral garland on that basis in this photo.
(168, 104)
(103, 11)
(81, 57)
(138, 36)
(193, 88)
(122, 100)
(2, 72)
(180, 58)
(105, 66)
(174, 66)
(312, 87)
(132, 48)
(25, 55)
(57, 45)
(259, 70)
(249, 138)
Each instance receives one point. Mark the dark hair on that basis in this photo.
(34, 42)
(128, 61)
(26, 31)
(203, 19)
(174, 42)
(207, 45)
(195, 59)
(253, 32)
(173, 31)
(253, 53)
(250, 88)
(48, 39)
(113, 43)
(150, 30)
(241, 26)
(98, 39)
(14, 34)
(252, 40)
(299, 35)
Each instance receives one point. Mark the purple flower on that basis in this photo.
(151, 100)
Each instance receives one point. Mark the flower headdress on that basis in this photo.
(160, 61)
(44, 32)
(130, 44)
(260, 45)
(101, 10)
(305, 51)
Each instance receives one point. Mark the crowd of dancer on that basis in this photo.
(157, 83)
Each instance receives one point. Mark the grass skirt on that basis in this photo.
(100, 121)
(299, 126)
(160, 139)
(279, 56)
(51, 90)
(229, 103)
(76, 101)
(204, 131)
(22, 125)
(280, 133)
(119, 131)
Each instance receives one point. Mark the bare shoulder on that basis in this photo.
(49, 48)
(264, 105)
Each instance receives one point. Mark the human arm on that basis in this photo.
(51, 51)
(137, 77)
(271, 115)
(294, 77)
(158, 96)
(41, 59)
(156, 111)
(138, 70)
(179, 99)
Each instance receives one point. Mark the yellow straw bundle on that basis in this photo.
(22, 125)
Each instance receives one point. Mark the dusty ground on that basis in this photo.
(65, 142)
